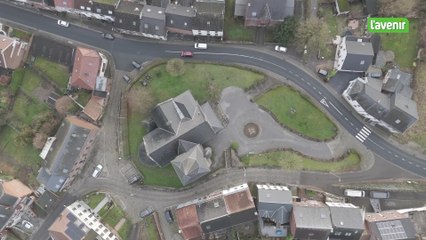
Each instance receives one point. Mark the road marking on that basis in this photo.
(417, 165)
(314, 88)
(410, 162)
(377, 144)
(403, 159)
(351, 124)
(290, 71)
(363, 134)
(346, 119)
(389, 152)
(360, 139)
(296, 75)
(336, 108)
(396, 155)
(319, 92)
(309, 83)
(324, 102)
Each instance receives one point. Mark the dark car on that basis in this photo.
(126, 78)
(186, 54)
(169, 216)
(136, 65)
(108, 36)
(146, 212)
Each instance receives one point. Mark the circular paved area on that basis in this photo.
(251, 130)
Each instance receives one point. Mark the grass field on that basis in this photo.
(124, 231)
(234, 29)
(56, 72)
(296, 112)
(26, 109)
(404, 53)
(150, 229)
(93, 199)
(32, 81)
(114, 215)
(293, 161)
(205, 82)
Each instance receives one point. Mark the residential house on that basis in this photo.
(191, 163)
(274, 204)
(210, 18)
(87, 64)
(177, 119)
(77, 222)
(240, 8)
(387, 103)
(179, 19)
(389, 225)
(63, 5)
(153, 22)
(94, 109)
(65, 154)
(84, 7)
(310, 220)
(215, 213)
(347, 221)
(15, 199)
(371, 6)
(354, 54)
(267, 13)
(104, 9)
(44, 202)
(12, 52)
(127, 17)
(342, 6)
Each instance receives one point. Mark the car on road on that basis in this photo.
(280, 49)
(379, 195)
(27, 224)
(200, 45)
(97, 171)
(146, 212)
(108, 36)
(126, 78)
(354, 193)
(63, 23)
(136, 65)
(186, 54)
(169, 216)
(323, 73)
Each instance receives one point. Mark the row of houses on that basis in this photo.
(384, 101)
(187, 17)
(12, 51)
(278, 216)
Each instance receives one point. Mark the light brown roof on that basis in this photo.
(5, 41)
(94, 108)
(239, 201)
(86, 68)
(16, 188)
(384, 216)
(187, 219)
(12, 52)
(81, 123)
(58, 227)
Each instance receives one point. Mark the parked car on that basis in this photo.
(108, 36)
(126, 78)
(134, 179)
(379, 195)
(354, 193)
(136, 65)
(146, 212)
(63, 23)
(280, 49)
(186, 54)
(322, 72)
(27, 224)
(169, 216)
(97, 171)
(200, 45)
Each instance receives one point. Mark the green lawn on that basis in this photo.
(83, 97)
(55, 72)
(293, 161)
(234, 29)
(93, 199)
(124, 231)
(114, 215)
(24, 36)
(296, 112)
(31, 82)
(151, 228)
(17, 78)
(26, 109)
(198, 78)
(404, 53)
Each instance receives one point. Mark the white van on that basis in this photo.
(354, 193)
(200, 45)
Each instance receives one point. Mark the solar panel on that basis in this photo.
(391, 230)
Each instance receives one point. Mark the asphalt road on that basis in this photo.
(125, 50)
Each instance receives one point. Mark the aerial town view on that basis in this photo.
(212, 119)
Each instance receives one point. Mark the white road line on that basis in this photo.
(351, 124)
(314, 88)
(410, 162)
(346, 119)
(417, 165)
(360, 139)
(376, 144)
(302, 79)
(424, 168)
(319, 92)
(290, 71)
(396, 155)
(403, 159)
(363, 134)
(366, 129)
(336, 108)
(296, 75)
(363, 131)
(309, 83)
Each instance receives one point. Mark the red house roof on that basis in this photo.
(86, 68)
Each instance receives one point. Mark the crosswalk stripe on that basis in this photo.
(363, 131)
(366, 129)
(363, 134)
(360, 139)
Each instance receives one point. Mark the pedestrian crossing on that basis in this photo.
(362, 135)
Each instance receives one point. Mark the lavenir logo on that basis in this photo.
(388, 25)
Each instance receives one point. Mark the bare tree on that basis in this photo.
(39, 140)
(63, 105)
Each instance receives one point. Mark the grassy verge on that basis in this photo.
(296, 112)
(234, 29)
(293, 161)
(205, 82)
(150, 229)
(56, 72)
(26, 109)
(114, 215)
(32, 81)
(124, 231)
(24, 36)
(404, 53)
(93, 199)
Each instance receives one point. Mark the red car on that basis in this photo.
(186, 54)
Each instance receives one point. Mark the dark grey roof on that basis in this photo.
(359, 54)
(5, 214)
(46, 200)
(396, 79)
(372, 7)
(210, 15)
(179, 17)
(160, 3)
(73, 230)
(216, 7)
(184, 146)
(403, 113)
(240, 8)
(127, 15)
(180, 10)
(191, 165)
(211, 117)
(6, 200)
(6, 207)
(275, 10)
(212, 209)
(312, 216)
(63, 154)
(153, 20)
(180, 118)
(346, 215)
(131, 8)
(393, 229)
(274, 203)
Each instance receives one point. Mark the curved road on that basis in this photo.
(125, 50)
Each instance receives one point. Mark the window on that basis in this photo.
(171, 21)
(156, 28)
(120, 20)
(82, 7)
(88, 8)
(109, 12)
(185, 23)
(253, 14)
(348, 234)
(397, 121)
(134, 23)
(362, 62)
(145, 25)
(98, 10)
(338, 233)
